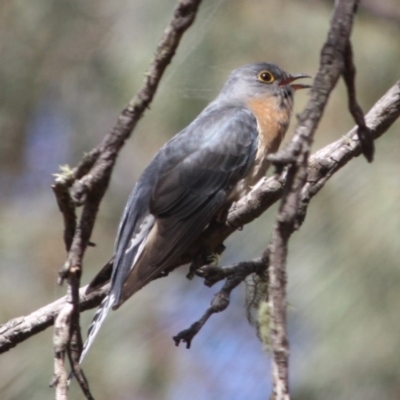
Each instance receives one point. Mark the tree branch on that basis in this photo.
(88, 182)
(349, 76)
(22, 328)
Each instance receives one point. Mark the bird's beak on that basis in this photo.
(292, 78)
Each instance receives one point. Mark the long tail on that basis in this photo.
(98, 320)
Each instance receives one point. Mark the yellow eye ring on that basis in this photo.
(266, 77)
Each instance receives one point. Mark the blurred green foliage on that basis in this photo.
(67, 69)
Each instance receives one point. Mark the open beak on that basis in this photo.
(295, 86)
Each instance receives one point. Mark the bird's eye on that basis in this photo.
(266, 77)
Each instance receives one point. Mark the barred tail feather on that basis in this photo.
(97, 321)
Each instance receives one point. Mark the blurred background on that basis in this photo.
(66, 71)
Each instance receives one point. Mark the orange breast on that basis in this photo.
(272, 121)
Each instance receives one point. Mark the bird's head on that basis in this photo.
(261, 80)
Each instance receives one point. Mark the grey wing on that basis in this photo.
(175, 198)
(195, 173)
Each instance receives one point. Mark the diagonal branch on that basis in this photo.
(22, 328)
(89, 180)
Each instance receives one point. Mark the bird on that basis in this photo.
(195, 177)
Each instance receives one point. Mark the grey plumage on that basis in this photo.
(183, 187)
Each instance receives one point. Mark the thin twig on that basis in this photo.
(213, 274)
(234, 276)
(75, 344)
(80, 377)
(65, 204)
(349, 76)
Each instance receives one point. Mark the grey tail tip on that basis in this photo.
(96, 324)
